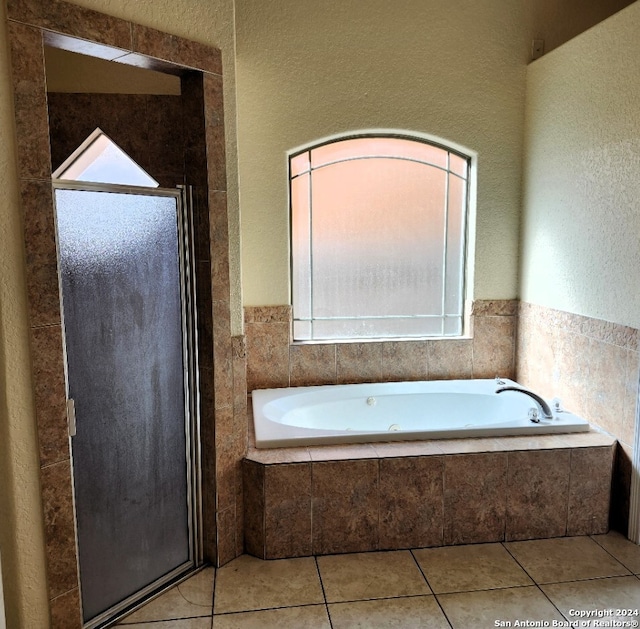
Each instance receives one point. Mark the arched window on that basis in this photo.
(378, 228)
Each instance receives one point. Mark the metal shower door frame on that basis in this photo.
(186, 264)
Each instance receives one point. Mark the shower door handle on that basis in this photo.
(71, 417)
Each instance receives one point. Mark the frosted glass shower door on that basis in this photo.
(125, 336)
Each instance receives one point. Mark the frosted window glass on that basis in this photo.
(300, 164)
(377, 328)
(455, 245)
(377, 238)
(458, 165)
(302, 330)
(452, 326)
(380, 147)
(301, 242)
(378, 243)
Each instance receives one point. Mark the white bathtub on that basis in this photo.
(398, 411)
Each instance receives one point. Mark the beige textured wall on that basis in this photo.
(581, 216)
(308, 69)
(21, 540)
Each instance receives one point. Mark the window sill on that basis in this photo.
(418, 339)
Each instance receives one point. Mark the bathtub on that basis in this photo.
(398, 411)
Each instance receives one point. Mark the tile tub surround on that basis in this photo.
(345, 499)
(592, 365)
(273, 360)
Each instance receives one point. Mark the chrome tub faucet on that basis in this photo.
(544, 407)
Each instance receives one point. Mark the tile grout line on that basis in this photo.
(592, 537)
(324, 594)
(213, 593)
(264, 511)
(537, 585)
(569, 488)
(487, 589)
(416, 596)
(158, 620)
(378, 500)
(613, 576)
(443, 500)
(237, 612)
(311, 510)
(424, 576)
(506, 496)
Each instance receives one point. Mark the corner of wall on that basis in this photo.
(21, 525)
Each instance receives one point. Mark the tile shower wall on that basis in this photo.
(592, 366)
(274, 361)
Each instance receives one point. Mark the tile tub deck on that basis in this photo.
(387, 496)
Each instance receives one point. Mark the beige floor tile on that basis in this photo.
(361, 576)
(187, 623)
(198, 590)
(247, 584)
(565, 559)
(481, 610)
(615, 593)
(624, 550)
(467, 568)
(390, 613)
(192, 598)
(308, 617)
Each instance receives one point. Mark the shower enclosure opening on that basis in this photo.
(127, 290)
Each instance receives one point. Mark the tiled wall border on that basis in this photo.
(273, 360)
(32, 24)
(593, 366)
(408, 495)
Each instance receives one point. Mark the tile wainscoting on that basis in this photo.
(273, 360)
(592, 366)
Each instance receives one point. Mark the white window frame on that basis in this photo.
(468, 235)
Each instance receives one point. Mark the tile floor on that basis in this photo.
(459, 587)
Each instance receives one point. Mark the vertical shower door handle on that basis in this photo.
(71, 417)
